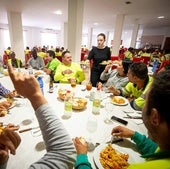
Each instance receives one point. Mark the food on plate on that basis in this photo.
(79, 103)
(4, 106)
(63, 92)
(6, 73)
(110, 158)
(118, 100)
(37, 73)
(106, 62)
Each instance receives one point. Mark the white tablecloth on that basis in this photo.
(76, 125)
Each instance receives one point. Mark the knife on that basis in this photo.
(134, 117)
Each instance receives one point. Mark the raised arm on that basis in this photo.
(60, 149)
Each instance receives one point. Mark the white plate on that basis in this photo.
(122, 104)
(134, 156)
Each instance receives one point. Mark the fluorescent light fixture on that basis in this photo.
(58, 12)
(161, 17)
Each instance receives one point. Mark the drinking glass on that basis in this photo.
(91, 127)
(109, 109)
(73, 83)
(88, 88)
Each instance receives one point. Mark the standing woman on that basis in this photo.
(97, 55)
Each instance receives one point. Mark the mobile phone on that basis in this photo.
(119, 120)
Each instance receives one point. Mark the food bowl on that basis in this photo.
(79, 103)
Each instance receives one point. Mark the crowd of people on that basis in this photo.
(150, 94)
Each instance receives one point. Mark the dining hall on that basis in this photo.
(79, 84)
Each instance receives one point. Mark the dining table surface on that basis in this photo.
(32, 148)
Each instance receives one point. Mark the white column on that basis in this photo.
(90, 35)
(75, 21)
(134, 34)
(107, 39)
(16, 33)
(65, 35)
(117, 34)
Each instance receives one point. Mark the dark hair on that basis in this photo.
(139, 69)
(66, 51)
(102, 34)
(126, 63)
(167, 67)
(51, 53)
(159, 95)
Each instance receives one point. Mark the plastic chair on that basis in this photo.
(166, 62)
(145, 59)
(114, 58)
(137, 59)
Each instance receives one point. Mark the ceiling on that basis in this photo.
(39, 13)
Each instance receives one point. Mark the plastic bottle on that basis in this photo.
(1, 68)
(40, 81)
(96, 102)
(155, 65)
(68, 105)
(51, 88)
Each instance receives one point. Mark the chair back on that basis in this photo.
(114, 58)
(166, 62)
(137, 59)
(146, 59)
(59, 58)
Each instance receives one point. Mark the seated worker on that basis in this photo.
(16, 62)
(116, 77)
(36, 62)
(68, 70)
(129, 53)
(52, 63)
(139, 83)
(60, 151)
(156, 147)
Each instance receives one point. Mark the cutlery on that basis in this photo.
(83, 89)
(114, 140)
(28, 129)
(111, 141)
(135, 117)
(132, 117)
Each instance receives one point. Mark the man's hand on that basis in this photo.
(68, 71)
(27, 86)
(81, 145)
(121, 131)
(9, 141)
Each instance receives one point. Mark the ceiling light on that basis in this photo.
(95, 23)
(128, 2)
(161, 17)
(58, 12)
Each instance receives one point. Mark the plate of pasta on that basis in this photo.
(109, 156)
(119, 100)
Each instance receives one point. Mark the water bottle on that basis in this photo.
(51, 85)
(96, 103)
(1, 68)
(68, 105)
(155, 65)
(40, 81)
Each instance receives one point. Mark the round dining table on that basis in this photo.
(32, 148)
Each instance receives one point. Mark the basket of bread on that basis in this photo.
(62, 93)
(79, 103)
